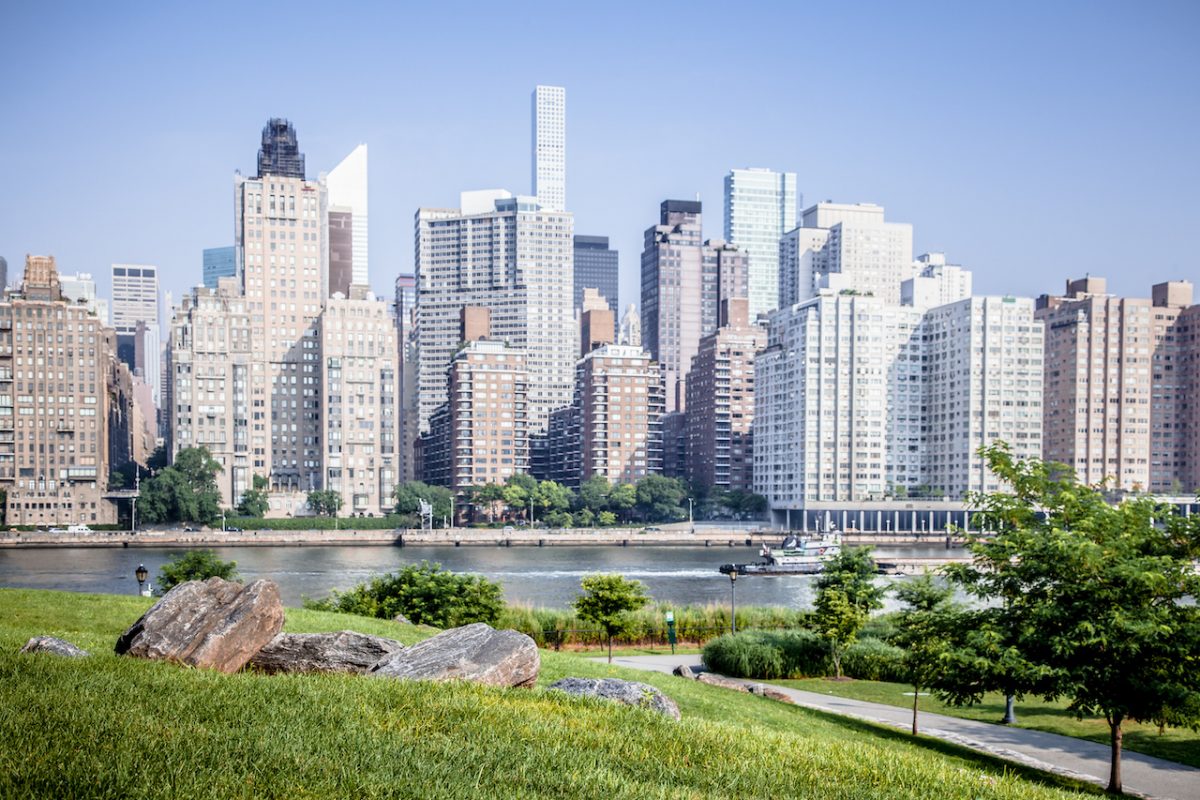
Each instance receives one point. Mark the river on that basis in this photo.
(537, 576)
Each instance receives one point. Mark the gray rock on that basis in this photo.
(474, 652)
(54, 646)
(684, 671)
(341, 651)
(215, 623)
(769, 692)
(724, 683)
(403, 620)
(631, 693)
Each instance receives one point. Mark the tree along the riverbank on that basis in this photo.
(186, 491)
(1094, 602)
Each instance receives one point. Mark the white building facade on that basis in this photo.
(550, 147)
(346, 187)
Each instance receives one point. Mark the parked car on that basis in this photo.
(233, 529)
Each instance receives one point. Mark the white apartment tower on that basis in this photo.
(346, 187)
(134, 297)
(512, 256)
(760, 205)
(550, 147)
(841, 246)
(935, 283)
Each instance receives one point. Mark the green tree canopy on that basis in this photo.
(661, 499)
(409, 496)
(838, 621)
(254, 500)
(853, 571)
(186, 491)
(606, 601)
(924, 628)
(195, 565)
(1096, 600)
(325, 502)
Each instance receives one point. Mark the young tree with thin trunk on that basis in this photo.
(923, 632)
(1096, 600)
(607, 599)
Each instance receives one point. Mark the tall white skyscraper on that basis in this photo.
(550, 147)
(346, 186)
(514, 258)
(134, 297)
(760, 205)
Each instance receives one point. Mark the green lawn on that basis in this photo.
(119, 727)
(1174, 744)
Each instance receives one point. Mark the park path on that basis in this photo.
(1088, 761)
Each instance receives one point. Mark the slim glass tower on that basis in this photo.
(760, 205)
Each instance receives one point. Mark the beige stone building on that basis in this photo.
(360, 402)
(56, 360)
(1112, 384)
(720, 402)
(619, 401)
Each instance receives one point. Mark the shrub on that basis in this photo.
(873, 660)
(425, 594)
(768, 655)
(195, 565)
(881, 627)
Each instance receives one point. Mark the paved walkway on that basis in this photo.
(1077, 758)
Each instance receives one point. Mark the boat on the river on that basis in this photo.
(796, 555)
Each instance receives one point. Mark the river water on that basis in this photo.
(537, 576)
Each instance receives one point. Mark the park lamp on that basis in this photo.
(141, 573)
(670, 617)
(732, 602)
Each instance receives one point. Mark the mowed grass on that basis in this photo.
(1174, 744)
(119, 727)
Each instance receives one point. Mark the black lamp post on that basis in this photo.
(732, 602)
(141, 573)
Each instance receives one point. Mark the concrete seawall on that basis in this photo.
(746, 542)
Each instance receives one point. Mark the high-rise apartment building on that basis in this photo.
(346, 186)
(513, 257)
(1112, 384)
(619, 403)
(1187, 428)
(134, 300)
(684, 280)
(212, 360)
(720, 402)
(550, 147)
(760, 206)
(359, 418)
(57, 402)
(935, 283)
(840, 246)
(596, 267)
(219, 262)
(280, 152)
(405, 314)
(279, 236)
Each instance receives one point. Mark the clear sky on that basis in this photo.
(1029, 141)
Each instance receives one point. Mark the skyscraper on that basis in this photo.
(280, 152)
(219, 262)
(596, 267)
(81, 288)
(511, 256)
(684, 281)
(3, 273)
(550, 147)
(760, 205)
(134, 300)
(282, 260)
(346, 185)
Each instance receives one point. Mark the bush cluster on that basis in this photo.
(771, 655)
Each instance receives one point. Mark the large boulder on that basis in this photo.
(631, 693)
(341, 651)
(684, 671)
(721, 681)
(769, 692)
(476, 652)
(54, 646)
(215, 623)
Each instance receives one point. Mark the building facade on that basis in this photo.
(219, 262)
(550, 147)
(720, 403)
(619, 403)
(513, 257)
(134, 299)
(57, 395)
(346, 188)
(596, 267)
(760, 206)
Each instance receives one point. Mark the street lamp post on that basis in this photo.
(141, 573)
(732, 602)
(691, 524)
(222, 520)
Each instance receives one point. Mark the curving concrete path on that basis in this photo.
(1143, 775)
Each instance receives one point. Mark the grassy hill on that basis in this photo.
(120, 727)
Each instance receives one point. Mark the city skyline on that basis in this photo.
(957, 153)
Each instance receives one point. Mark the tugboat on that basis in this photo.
(797, 555)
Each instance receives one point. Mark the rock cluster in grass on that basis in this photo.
(475, 652)
(341, 651)
(226, 626)
(631, 693)
(54, 646)
(215, 623)
(712, 679)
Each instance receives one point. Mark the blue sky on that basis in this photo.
(1029, 141)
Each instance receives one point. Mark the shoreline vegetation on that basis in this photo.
(155, 730)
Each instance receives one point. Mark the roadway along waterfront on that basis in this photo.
(539, 576)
